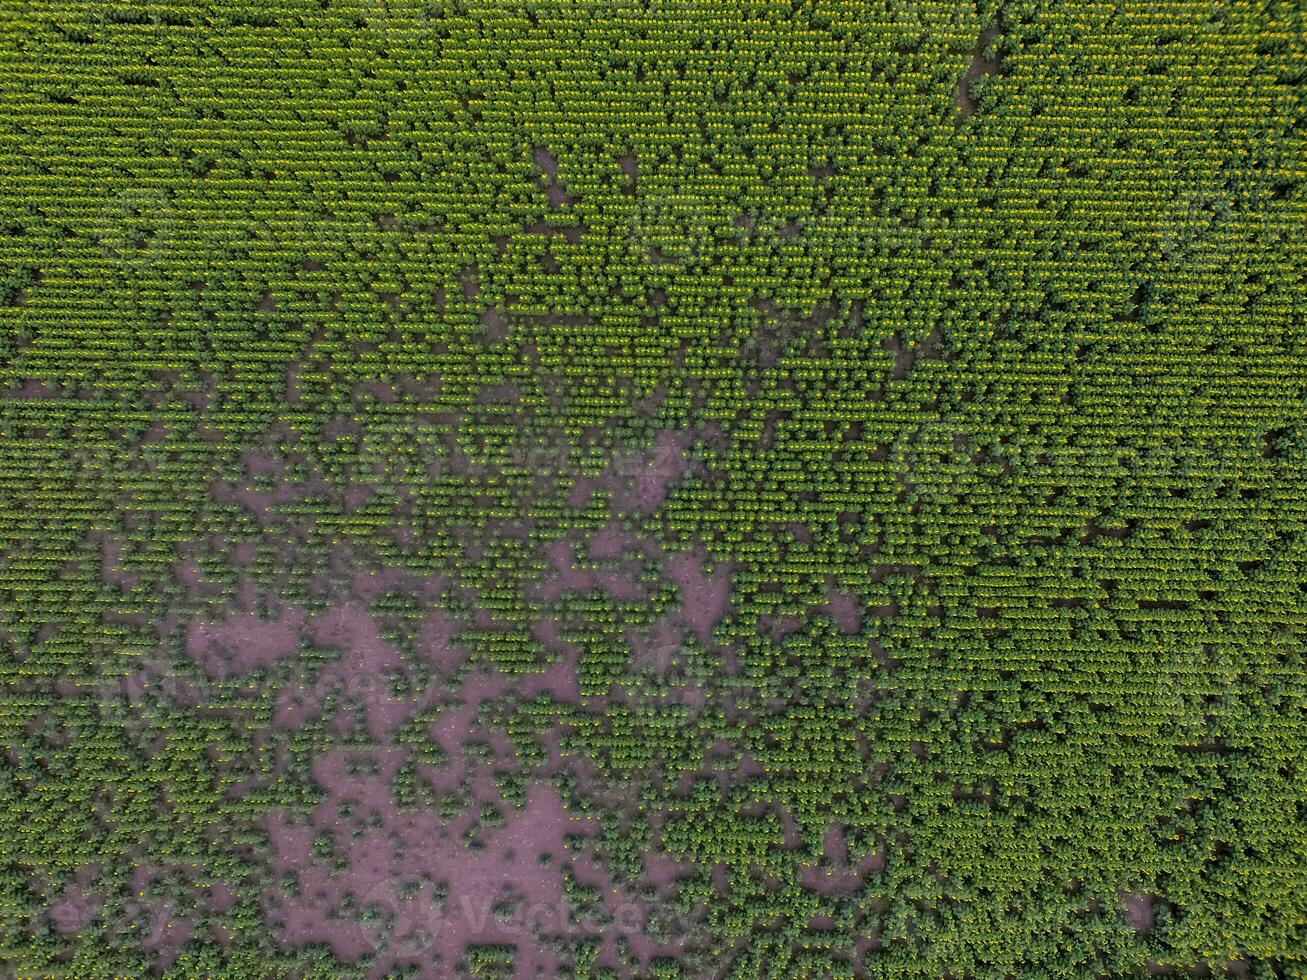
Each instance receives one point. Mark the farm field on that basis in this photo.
(666, 489)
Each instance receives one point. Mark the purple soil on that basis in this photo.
(371, 586)
(260, 464)
(436, 642)
(558, 196)
(111, 570)
(622, 584)
(545, 161)
(840, 878)
(705, 597)
(385, 848)
(188, 572)
(221, 897)
(455, 725)
(639, 482)
(777, 628)
(496, 325)
(1139, 912)
(629, 917)
(662, 871)
(378, 390)
(657, 650)
(835, 847)
(74, 911)
(355, 497)
(845, 609)
(581, 768)
(363, 672)
(33, 388)
(417, 847)
(979, 65)
(242, 553)
(292, 391)
(652, 475)
(398, 860)
(792, 840)
(264, 504)
(243, 642)
(167, 936)
(868, 944)
(559, 679)
(339, 427)
(610, 542)
(260, 503)
(566, 576)
(578, 498)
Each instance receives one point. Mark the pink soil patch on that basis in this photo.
(111, 569)
(74, 911)
(566, 576)
(653, 474)
(244, 642)
(436, 641)
(610, 542)
(639, 482)
(545, 161)
(395, 858)
(658, 650)
(371, 586)
(261, 464)
(559, 678)
(578, 498)
(455, 725)
(839, 878)
(355, 497)
(1138, 907)
(846, 610)
(379, 390)
(363, 672)
(167, 937)
(221, 897)
(835, 847)
(188, 573)
(622, 584)
(663, 871)
(779, 627)
(33, 388)
(242, 553)
(705, 597)
(263, 504)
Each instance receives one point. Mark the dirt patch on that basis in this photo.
(244, 642)
(978, 66)
(1140, 912)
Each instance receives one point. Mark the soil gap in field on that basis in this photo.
(979, 65)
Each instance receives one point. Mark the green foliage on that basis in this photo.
(981, 326)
